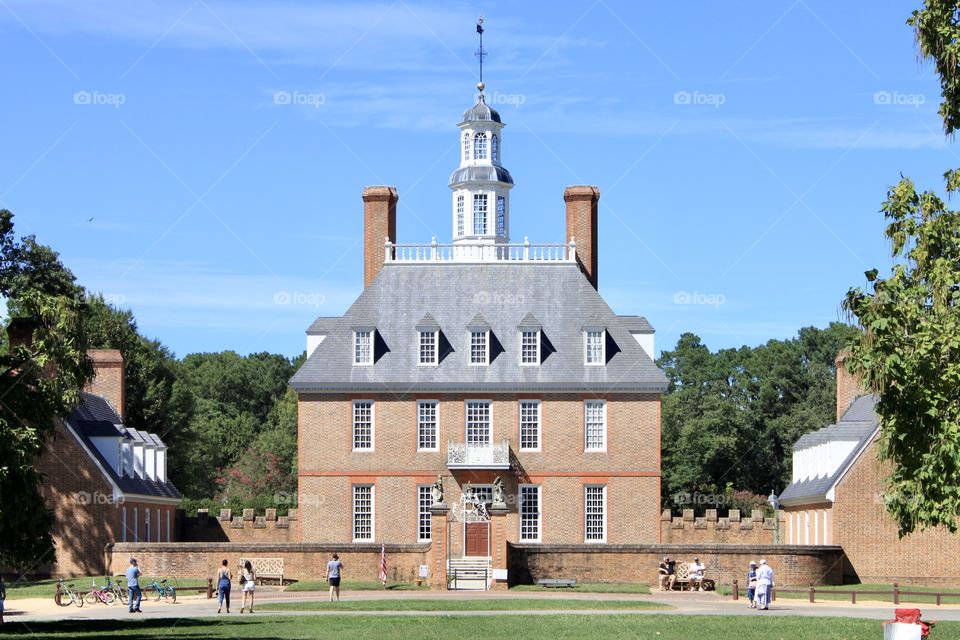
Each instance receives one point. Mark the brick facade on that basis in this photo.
(107, 381)
(246, 527)
(734, 528)
(582, 219)
(379, 223)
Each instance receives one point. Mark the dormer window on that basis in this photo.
(530, 347)
(594, 343)
(466, 146)
(363, 347)
(479, 214)
(501, 216)
(495, 148)
(428, 347)
(460, 215)
(480, 347)
(480, 146)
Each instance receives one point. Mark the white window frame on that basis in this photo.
(586, 513)
(430, 334)
(146, 523)
(358, 359)
(436, 425)
(520, 423)
(123, 525)
(168, 525)
(500, 216)
(424, 516)
(466, 421)
(536, 333)
(354, 513)
(479, 198)
(603, 346)
(353, 423)
(467, 145)
(486, 348)
(481, 146)
(136, 524)
(524, 516)
(586, 425)
(494, 148)
(460, 209)
(157, 514)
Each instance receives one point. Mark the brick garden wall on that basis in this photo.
(793, 565)
(245, 527)
(751, 529)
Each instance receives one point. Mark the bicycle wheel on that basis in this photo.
(60, 600)
(91, 597)
(76, 598)
(171, 595)
(159, 593)
(109, 597)
(121, 594)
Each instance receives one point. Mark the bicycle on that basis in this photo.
(118, 590)
(105, 595)
(66, 595)
(163, 590)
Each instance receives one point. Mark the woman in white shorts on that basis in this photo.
(249, 579)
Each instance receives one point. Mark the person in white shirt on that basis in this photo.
(764, 586)
(695, 573)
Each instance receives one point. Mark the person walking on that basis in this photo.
(133, 586)
(248, 580)
(223, 585)
(764, 585)
(334, 569)
(752, 584)
(3, 596)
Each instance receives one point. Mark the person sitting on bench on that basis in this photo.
(666, 574)
(696, 575)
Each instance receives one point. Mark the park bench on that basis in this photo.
(265, 568)
(557, 582)
(682, 582)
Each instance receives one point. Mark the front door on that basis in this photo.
(477, 539)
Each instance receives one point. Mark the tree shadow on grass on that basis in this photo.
(158, 627)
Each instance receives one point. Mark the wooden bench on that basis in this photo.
(682, 582)
(552, 583)
(265, 568)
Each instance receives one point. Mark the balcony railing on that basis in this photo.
(495, 455)
(480, 252)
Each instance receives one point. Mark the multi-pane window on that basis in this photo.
(480, 146)
(362, 512)
(595, 425)
(363, 347)
(428, 347)
(427, 425)
(529, 346)
(595, 513)
(495, 148)
(594, 344)
(479, 214)
(530, 425)
(466, 146)
(501, 216)
(482, 493)
(459, 215)
(146, 522)
(479, 347)
(363, 425)
(424, 501)
(478, 422)
(529, 513)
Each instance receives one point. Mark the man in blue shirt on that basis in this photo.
(133, 586)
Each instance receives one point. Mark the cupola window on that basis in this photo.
(460, 215)
(495, 148)
(480, 146)
(501, 216)
(466, 147)
(479, 214)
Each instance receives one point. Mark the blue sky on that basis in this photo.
(742, 149)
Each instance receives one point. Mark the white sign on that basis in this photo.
(499, 574)
(424, 570)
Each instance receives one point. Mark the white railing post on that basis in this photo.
(433, 248)
(526, 248)
(572, 253)
(386, 249)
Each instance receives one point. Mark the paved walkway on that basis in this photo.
(36, 609)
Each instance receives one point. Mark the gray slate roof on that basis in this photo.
(859, 424)
(480, 173)
(480, 112)
(558, 296)
(94, 417)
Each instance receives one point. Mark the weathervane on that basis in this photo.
(480, 53)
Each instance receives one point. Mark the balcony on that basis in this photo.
(478, 456)
(472, 252)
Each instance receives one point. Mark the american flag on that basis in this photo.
(383, 565)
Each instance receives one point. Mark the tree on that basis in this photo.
(39, 382)
(908, 352)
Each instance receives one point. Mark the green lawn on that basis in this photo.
(590, 587)
(482, 604)
(46, 588)
(582, 627)
(824, 593)
(356, 585)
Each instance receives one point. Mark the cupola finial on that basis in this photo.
(481, 54)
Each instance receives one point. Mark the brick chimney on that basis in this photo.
(107, 381)
(379, 223)
(849, 387)
(582, 203)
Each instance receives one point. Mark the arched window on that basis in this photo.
(479, 214)
(501, 215)
(495, 148)
(466, 146)
(480, 146)
(460, 215)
